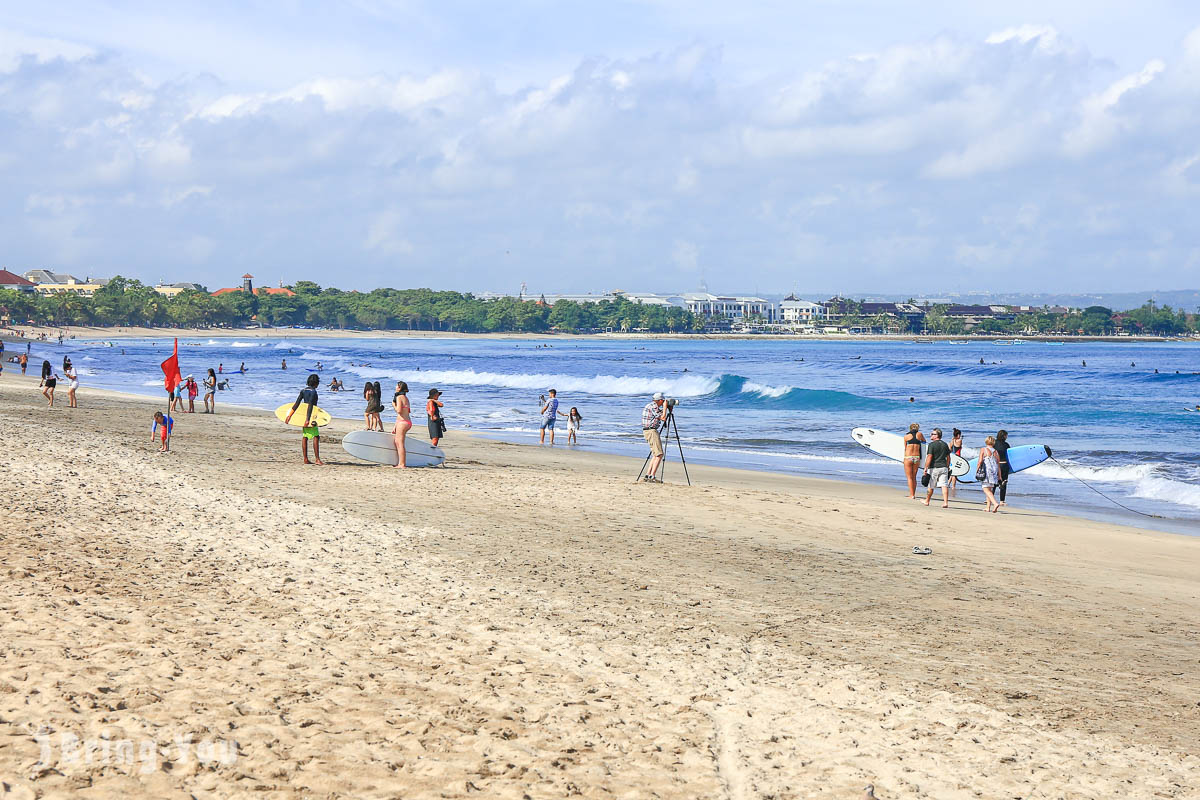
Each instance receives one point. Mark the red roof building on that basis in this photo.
(10, 280)
(248, 286)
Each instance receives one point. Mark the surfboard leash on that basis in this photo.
(1102, 494)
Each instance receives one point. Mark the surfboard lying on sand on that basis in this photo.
(889, 445)
(380, 448)
(1020, 457)
(319, 415)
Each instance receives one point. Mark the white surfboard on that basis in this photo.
(890, 445)
(380, 448)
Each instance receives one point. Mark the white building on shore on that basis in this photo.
(794, 311)
(733, 308)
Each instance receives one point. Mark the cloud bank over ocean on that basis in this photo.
(1016, 160)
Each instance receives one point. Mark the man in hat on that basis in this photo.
(654, 415)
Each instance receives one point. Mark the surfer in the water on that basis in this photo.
(308, 395)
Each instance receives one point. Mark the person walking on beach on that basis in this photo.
(403, 422)
(210, 392)
(1005, 468)
(956, 446)
(574, 423)
(308, 396)
(192, 391)
(654, 416)
(433, 410)
(912, 457)
(177, 401)
(24, 361)
(373, 393)
(550, 413)
(49, 381)
(988, 473)
(937, 466)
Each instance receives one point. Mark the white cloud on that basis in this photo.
(384, 234)
(908, 157)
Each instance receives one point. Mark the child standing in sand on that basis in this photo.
(162, 427)
(308, 395)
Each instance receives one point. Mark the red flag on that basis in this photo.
(170, 369)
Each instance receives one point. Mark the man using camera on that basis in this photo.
(654, 415)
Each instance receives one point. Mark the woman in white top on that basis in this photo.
(989, 465)
(73, 377)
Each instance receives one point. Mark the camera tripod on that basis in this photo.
(669, 427)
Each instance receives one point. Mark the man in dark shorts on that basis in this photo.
(937, 466)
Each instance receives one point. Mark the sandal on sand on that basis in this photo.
(922, 551)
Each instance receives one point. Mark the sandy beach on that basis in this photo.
(221, 621)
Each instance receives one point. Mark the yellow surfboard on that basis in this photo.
(319, 415)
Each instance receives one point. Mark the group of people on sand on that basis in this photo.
(550, 415)
(50, 379)
(992, 472)
(373, 394)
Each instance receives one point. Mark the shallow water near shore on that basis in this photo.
(785, 406)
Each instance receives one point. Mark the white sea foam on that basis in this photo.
(764, 390)
(245, 344)
(686, 386)
(1148, 481)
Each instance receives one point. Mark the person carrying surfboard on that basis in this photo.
(310, 430)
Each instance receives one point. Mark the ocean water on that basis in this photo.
(785, 406)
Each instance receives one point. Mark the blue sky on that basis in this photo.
(820, 146)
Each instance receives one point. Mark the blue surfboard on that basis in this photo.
(1020, 457)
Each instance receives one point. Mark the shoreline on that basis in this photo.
(108, 334)
(736, 475)
(532, 622)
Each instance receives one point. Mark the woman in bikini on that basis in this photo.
(403, 421)
(956, 446)
(912, 457)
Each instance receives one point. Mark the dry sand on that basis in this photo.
(531, 623)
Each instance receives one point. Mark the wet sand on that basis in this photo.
(531, 622)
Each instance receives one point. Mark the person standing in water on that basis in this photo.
(308, 396)
(912, 457)
(550, 413)
(433, 410)
(403, 422)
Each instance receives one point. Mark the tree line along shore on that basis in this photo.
(128, 302)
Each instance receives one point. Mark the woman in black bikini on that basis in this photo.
(912, 457)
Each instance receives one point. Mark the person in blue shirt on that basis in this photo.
(308, 396)
(550, 413)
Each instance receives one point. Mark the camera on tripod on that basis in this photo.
(671, 403)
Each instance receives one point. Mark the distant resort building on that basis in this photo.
(733, 308)
(47, 282)
(248, 286)
(794, 311)
(172, 289)
(11, 280)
